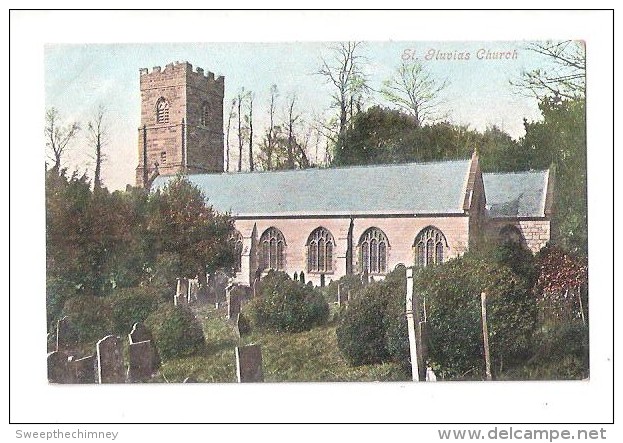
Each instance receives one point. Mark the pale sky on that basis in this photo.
(80, 77)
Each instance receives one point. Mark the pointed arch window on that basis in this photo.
(205, 114)
(320, 251)
(162, 110)
(430, 247)
(236, 242)
(272, 247)
(373, 246)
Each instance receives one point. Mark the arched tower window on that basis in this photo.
(162, 110)
(205, 114)
(272, 250)
(236, 242)
(430, 247)
(373, 247)
(320, 251)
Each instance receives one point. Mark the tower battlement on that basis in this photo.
(181, 120)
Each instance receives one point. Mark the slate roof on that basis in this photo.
(516, 194)
(411, 188)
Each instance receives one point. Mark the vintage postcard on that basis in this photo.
(348, 212)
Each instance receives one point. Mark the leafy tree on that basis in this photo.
(182, 224)
(560, 140)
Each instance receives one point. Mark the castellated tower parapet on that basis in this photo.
(181, 121)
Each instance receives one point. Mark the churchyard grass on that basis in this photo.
(287, 357)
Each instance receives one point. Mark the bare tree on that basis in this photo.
(250, 123)
(565, 77)
(344, 70)
(240, 129)
(269, 142)
(98, 138)
(58, 136)
(415, 91)
(231, 115)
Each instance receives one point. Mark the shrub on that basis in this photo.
(176, 331)
(58, 291)
(452, 292)
(129, 306)
(285, 305)
(89, 318)
(373, 329)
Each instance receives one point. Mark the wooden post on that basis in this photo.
(485, 333)
(413, 348)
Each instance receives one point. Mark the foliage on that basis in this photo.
(176, 330)
(287, 306)
(562, 280)
(89, 317)
(181, 223)
(129, 306)
(559, 140)
(373, 328)
(452, 292)
(58, 291)
(349, 283)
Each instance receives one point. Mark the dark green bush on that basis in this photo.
(176, 331)
(452, 292)
(374, 329)
(58, 291)
(131, 305)
(90, 318)
(285, 305)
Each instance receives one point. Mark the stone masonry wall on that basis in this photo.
(536, 233)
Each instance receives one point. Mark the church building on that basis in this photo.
(329, 222)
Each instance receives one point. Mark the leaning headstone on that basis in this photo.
(58, 371)
(64, 339)
(141, 364)
(249, 364)
(110, 368)
(83, 369)
(233, 305)
(139, 333)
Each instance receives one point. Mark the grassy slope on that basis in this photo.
(306, 356)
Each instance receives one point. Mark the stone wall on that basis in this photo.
(400, 232)
(536, 232)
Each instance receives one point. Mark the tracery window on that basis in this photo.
(511, 234)
(430, 245)
(236, 242)
(205, 114)
(162, 110)
(320, 251)
(272, 249)
(373, 246)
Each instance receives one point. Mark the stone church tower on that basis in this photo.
(181, 122)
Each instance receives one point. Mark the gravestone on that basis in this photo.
(217, 286)
(233, 305)
(64, 336)
(181, 294)
(110, 368)
(342, 296)
(249, 364)
(242, 325)
(82, 369)
(58, 371)
(139, 333)
(141, 364)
